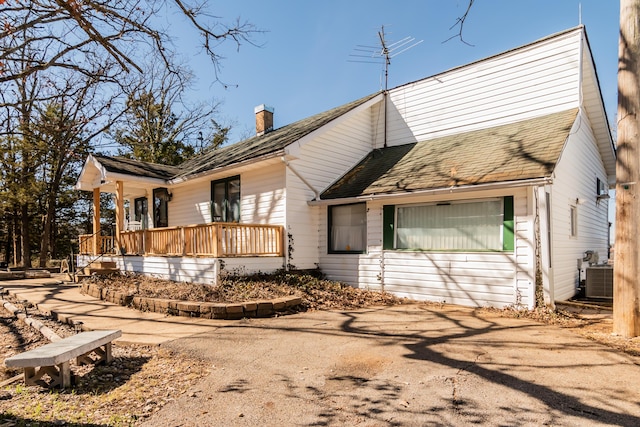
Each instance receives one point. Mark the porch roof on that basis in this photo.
(519, 151)
(126, 166)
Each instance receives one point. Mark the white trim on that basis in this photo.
(114, 176)
(214, 171)
(302, 178)
(293, 148)
(437, 191)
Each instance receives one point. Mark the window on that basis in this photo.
(573, 221)
(485, 225)
(348, 228)
(600, 187)
(225, 200)
(161, 199)
(141, 208)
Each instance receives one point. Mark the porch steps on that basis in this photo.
(101, 268)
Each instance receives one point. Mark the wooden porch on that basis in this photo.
(215, 240)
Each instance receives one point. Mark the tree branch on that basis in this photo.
(460, 23)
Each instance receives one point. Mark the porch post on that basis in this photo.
(119, 214)
(96, 221)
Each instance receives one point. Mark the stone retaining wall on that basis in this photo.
(207, 310)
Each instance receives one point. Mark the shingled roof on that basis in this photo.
(135, 167)
(271, 143)
(527, 149)
(264, 145)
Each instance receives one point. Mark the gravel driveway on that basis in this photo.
(405, 366)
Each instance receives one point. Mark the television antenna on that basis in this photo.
(383, 53)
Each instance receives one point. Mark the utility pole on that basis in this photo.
(626, 281)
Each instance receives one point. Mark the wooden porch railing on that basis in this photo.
(213, 240)
(106, 244)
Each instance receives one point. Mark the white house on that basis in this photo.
(475, 186)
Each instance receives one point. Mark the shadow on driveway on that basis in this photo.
(405, 365)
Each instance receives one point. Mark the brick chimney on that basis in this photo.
(264, 119)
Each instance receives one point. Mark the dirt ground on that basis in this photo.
(405, 364)
(140, 381)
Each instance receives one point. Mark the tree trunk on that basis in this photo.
(17, 248)
(627, 262)
(47, 227)
(8, 224)
(46, 235)
(24, 231)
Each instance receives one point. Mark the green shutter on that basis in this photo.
(388, 224)
(508, 235)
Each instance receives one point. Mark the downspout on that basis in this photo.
(544, 288)
(316, 197)
(537, 250)
(295, 172)
(382, 271)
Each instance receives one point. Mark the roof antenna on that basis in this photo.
(579, 13)
(384, 52)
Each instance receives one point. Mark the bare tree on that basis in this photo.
(460, 24)
(47, 119)
(63, 129)
(62, 67)
(78, 35)
(159, 125)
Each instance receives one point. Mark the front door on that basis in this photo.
(160, 207)
(141, 211)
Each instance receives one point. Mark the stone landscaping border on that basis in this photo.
(207, 310)
(24, 274)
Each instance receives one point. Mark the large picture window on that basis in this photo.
(225, 200)
(348, 228)
(484, 225)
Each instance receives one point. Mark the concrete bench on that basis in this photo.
(53, 358)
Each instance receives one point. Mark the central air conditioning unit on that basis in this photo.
(599, 283)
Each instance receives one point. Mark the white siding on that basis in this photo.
(188, 269)
(472, 279)
(527, 82)
(524, 222)
(263, 195)
(180, 269)
(575, 185)
(262, 198)
(592, 102)
(250, 265)
(320, 162)
(190, 204)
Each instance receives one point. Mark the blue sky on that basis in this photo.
(304, 65)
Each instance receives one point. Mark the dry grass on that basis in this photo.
(597, 328)
(140, 381)
(316, 292)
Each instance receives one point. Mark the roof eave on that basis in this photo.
(83, 184)
(535, 182)
(608, 152)
(293, 148)
(248, 162)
